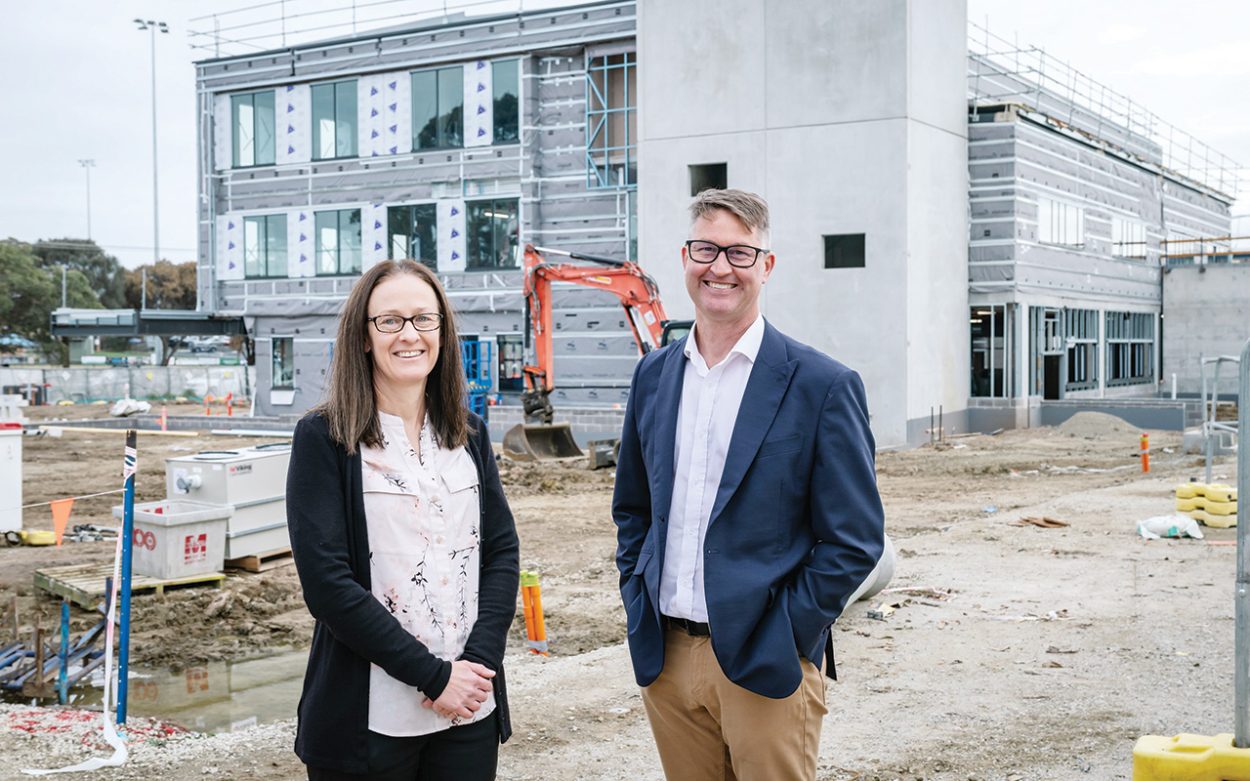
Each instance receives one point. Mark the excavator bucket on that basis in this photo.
(539, 442)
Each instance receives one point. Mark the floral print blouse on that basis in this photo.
(422, 514)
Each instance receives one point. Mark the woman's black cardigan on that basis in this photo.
(326, 515)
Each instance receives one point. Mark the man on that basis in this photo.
(747, 513)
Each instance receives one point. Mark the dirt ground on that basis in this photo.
(1011, 652)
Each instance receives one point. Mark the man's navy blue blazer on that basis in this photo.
(796, 525)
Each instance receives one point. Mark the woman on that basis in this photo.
(406, 549)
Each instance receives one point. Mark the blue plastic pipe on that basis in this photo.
(62, 684)
(128, 532)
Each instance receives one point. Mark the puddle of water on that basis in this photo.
(214, 697)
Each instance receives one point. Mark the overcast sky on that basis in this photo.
(77, 83)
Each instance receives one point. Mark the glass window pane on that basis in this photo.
(425, 110)
(451, 106)
(345, 119)
(504, 80)
(323, 121)
(327, 242)
(275, 245)
(424, 245)
(244, 131)
(349, 241)
(263, 102)
(252, 229)
(398, 228)
(283, 362)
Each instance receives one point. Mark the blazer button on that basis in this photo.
(662, 519)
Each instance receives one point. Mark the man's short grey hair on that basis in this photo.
(750, 209)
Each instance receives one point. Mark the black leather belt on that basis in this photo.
(692, 628)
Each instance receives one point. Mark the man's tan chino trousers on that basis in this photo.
(707, 728)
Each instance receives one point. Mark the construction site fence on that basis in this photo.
(86, 384)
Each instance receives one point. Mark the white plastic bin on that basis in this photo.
(10, 476)
(177, 539)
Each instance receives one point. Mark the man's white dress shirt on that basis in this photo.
(710, 398)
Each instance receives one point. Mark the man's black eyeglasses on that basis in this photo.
(738, 255)
(393, 324)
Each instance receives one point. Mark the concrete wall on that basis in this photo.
(1206, 313)
(849, 119)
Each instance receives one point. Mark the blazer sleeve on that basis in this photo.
(631, 496)
(846, 515)
(500, 563)
(317, 504)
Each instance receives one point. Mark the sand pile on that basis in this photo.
(1091, 425)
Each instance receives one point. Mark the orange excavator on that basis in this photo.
(539, 437)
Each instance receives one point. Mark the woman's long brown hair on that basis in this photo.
(350, 408)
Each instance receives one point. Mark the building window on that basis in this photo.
(1081, 339)
(1128, 238)
(411, 233)
(492, 234)
(334, 120)
(844, 251)
(1130, 348)
(505, 111)
(511, 362)
(264, 246)
(708, 176)
(252, 129)
(438, 108)
(1060, 223)
(611, 121)
(283, 362)
(338, 242)
(993, 344)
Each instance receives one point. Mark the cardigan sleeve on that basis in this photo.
(319, 510)
(500, 562)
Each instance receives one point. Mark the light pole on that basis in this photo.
(86, 167)
(152, 27)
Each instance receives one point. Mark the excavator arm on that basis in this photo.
(634, 288)
(638, 295)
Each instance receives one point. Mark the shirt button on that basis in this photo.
(439, 539)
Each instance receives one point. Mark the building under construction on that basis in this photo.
(974, 229)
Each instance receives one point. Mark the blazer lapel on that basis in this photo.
(766, 386)
(667, 402)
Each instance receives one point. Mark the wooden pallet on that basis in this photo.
(83, 584)
(263, 562)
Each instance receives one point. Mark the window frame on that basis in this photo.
(391, 211)
(264, 245)
(1060, 219)
(339, 216)
(274, 365)
(349, 86)
(440, 141)
(235, 103)
(471, 234)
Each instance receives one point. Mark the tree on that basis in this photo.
(29, 293)
(104, 273)
(170, 286)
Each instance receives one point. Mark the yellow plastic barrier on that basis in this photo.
(1187, 757)
(1214, 504)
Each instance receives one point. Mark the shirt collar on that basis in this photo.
(748, 345)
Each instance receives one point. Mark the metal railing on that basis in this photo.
(1002, 72)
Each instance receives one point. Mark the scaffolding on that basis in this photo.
(1001, 73)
